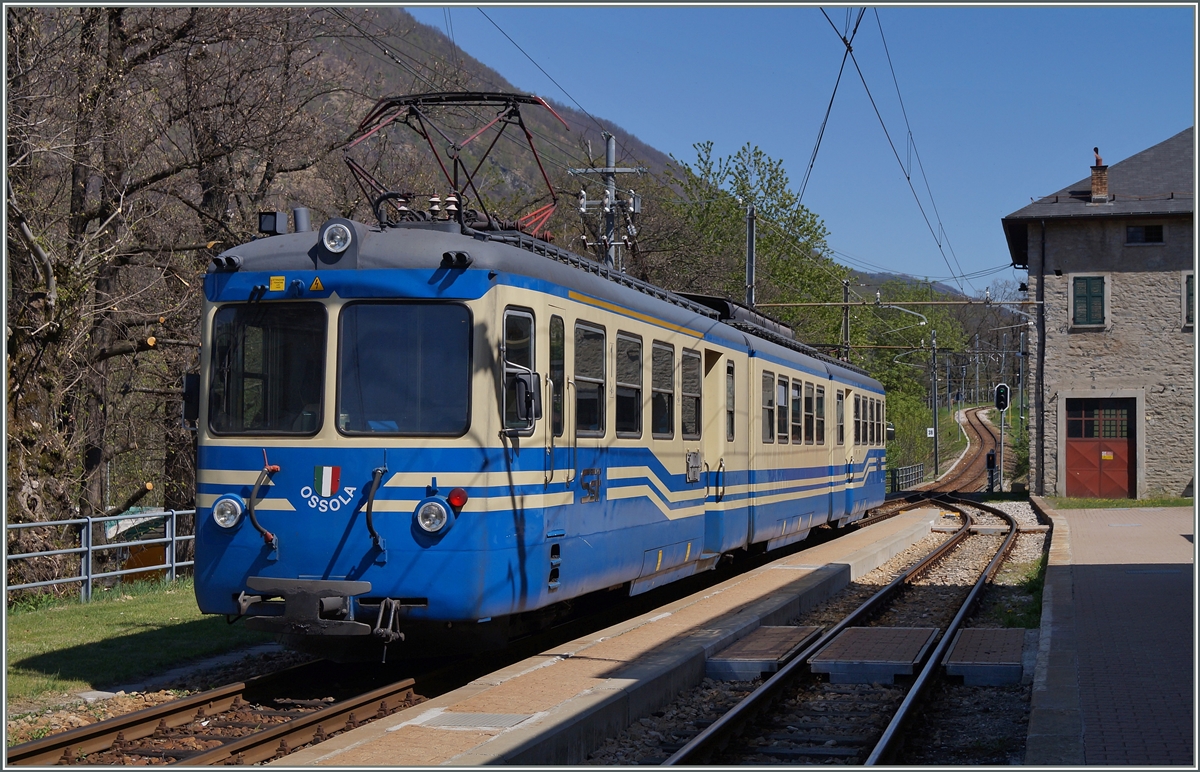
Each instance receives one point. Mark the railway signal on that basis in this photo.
(1002, 397)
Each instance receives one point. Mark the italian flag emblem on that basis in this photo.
(325, 479)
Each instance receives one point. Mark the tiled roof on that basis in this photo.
(1156, 181)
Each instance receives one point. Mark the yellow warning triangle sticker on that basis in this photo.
(316, 285)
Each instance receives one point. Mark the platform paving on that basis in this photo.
(557, 707)
(1115, 676)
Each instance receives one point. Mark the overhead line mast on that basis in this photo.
(610, 204)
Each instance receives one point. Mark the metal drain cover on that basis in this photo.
(476, 720)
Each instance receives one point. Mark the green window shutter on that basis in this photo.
(1081, 304)
(1089, 300)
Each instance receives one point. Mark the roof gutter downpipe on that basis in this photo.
(1040, 395)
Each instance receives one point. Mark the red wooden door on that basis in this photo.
(1101, 455)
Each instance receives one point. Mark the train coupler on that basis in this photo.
(387, 624)
(314, 607)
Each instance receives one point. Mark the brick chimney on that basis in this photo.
(1099, 180)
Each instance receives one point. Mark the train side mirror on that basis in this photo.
(191, 396)
(889, 431)
(528, 388)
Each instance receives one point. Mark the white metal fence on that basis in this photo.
(88, 550)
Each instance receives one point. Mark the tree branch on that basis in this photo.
(134, 346)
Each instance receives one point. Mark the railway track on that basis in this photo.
(239, 723)
(793, 716)
(969, 476)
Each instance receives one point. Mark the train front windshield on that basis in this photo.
(268, 368)
(403, 369)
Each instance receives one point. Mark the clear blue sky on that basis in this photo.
(1004, 103)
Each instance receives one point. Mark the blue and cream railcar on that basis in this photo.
(422, 430)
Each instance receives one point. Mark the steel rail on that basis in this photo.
(281, 739)
(718, 733)
(886, 746)
(133, 726)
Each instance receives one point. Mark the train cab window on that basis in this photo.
(819, 409)
(858, 424)
(689, 401)
(558, 373)
(768, 407)
(418, 383)
(729, 401)
(268, 369)
(628, 416)
(518, 359)
(589, 380)
(781, 402)
(810, 423)
(797, 412)
(662, 391)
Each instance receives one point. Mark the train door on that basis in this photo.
(827, 434)
(590, 385)
(843, 469)
(558, 471)
(717, 433)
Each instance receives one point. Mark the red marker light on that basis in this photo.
(457, 498)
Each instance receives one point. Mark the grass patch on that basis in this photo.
(1020, 602)
(126, 634)
(1058, 503)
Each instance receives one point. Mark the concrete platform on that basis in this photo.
(1115, 676)
(557, 707)
(987, 656)
(763, 651)
(873, 655)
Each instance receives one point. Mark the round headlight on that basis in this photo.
(226, 512)
(432, 516)
(337, 238)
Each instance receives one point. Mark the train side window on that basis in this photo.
(589, 380)
(729, 401)
(876, 435)
(809, 417)
(839, 411)
(518, 358)
(628, 417)
(797, 412)
(558, 373)
(819, 406)
(781, 402)
(662, 391)
(689, 402)
(768, 407)
(858, 438)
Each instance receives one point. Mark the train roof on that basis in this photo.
(448, 244)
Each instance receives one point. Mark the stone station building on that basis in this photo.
(1111, 263)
